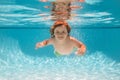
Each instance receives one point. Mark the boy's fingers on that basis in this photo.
(79, 53)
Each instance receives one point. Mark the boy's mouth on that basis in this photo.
(60, 37)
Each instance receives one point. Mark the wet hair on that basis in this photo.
(58, 24)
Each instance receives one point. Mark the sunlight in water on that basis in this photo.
(15, 65)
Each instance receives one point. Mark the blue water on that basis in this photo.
(96, 25)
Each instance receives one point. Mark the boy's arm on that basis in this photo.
(81, 47)
(43, 43)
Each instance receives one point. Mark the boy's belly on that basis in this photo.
(64, 51)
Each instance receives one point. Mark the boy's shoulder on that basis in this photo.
(50, 40)
(74, 40)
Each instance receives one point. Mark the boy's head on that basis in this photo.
(60, 28)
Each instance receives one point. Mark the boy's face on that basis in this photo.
(60, 32)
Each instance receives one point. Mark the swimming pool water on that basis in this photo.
(97, 25)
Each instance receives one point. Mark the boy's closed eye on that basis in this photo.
(63, 32)
(57, 32)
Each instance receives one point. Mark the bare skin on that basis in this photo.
(63, 43)
(62, 9)
(63, 0)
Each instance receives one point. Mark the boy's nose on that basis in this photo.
(60, 34)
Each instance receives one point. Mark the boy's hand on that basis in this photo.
(80, 51)
(38, 45)
(43, 0)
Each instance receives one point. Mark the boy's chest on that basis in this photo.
(66, 48)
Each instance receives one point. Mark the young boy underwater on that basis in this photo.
(62, 42)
